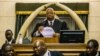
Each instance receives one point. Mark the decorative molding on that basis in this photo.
(57, 12)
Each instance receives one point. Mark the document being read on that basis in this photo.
(47, 32)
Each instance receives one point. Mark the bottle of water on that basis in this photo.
(20, 39)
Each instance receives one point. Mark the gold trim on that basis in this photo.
(57, 12)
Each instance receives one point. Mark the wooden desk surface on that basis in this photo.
(47, 39)
(26, 47)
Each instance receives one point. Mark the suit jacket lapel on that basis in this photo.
(45, 23)
(55, 23)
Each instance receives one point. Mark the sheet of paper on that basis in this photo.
(48, 32)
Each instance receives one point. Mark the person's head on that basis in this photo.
(8, 34)
(39, 47)
(50, 13)
(92, 46)
(8, 50)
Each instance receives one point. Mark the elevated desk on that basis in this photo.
(47, 39)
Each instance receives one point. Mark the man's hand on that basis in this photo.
(56, 35)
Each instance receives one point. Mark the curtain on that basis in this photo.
(20, 19)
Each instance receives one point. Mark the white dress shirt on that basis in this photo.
(37, 33)
(97, 54)
(49, 22)
(47, 53)
(9, 42)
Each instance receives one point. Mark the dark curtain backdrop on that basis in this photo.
(20, 19)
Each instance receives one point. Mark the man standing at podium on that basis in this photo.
(50, 21)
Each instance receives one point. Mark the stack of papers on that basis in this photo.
(48, 32)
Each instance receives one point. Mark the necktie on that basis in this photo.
(50, 23)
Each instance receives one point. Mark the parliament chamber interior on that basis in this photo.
(70, 42)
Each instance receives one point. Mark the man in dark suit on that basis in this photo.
(40, 49)
(92, 48)
(50, 21)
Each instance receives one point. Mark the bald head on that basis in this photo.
(39, 47)
(50, 9)
(39, 43)
(92, 47)
(93, 43)
(50, 13)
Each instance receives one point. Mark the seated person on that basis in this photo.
(40, 49)
(92, 48)
(50, 21)
(7, 50)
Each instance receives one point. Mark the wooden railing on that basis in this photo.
(68, 49)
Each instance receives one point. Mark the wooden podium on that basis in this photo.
(47, 39)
